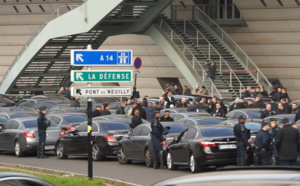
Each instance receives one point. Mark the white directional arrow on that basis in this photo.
(79, 57)
(79, 76)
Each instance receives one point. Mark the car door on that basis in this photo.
(184, 149)
(130, 144)
(142, 140)
(175, 148)
(75, 142)
(11, 135)
(3, 134)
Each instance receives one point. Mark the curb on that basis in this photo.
(108, 181)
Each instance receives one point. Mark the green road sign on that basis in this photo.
(101, 76)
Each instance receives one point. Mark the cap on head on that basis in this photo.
(157, 111)
(242, 117)
(99, 106)
(273, 119)
(285, 121)
(264, 123)
(259, 95)
(43, 108)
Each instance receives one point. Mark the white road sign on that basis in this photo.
(101, 91)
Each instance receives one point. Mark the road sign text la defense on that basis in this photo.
(100, 91)
(101, 75)
(101, 57)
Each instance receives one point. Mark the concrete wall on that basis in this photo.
(272, 39)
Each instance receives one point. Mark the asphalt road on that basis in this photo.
(136, 172)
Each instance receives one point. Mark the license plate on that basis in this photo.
(229, 146)
(49, 147)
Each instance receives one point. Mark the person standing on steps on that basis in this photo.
(211, 70)
(43, 124)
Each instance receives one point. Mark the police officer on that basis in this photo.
(43, 124)
(242, 135)
(263, 143)
(157, 139)
(274, 131)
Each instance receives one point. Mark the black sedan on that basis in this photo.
(137, 146)
(106, 136)
(68, 121)
(20, 135)
(123, 117)
(202, 146)
(178, 116)
(246, 113)
(205, 120)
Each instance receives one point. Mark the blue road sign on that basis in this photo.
(137, 63)
(101, 57)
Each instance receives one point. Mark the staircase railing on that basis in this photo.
(236, 49)
(188, 54)
(212, 49)
(55, 14)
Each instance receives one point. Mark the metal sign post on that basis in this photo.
(137, 65)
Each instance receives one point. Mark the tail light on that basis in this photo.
(70, 128)
(164, 143)
(28, 135)
(62, 133)
(110, 138)
(207, 144)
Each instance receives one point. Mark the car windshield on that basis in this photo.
(33, 124)
(175, 128)
(217, 132)
(20, 115)
(18, 109)
(3, 119)
(254, 114)
(253, 126)
(208, 121)
(114, 126)
(75, 119)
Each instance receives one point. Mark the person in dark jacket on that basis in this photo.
(259, 102)
(278, 94)
(186, 91)
(263, 145)
(121, 109)
(211, 70)
(135, 94)
(166, 116)
(294, 109)
(157, 139)
(192, 107)
(176, 90)
(287, 142)
(139, 107)
(263, 92)
(284, 94)
(242, 135)
(218, 111)
(105, 110)
(149, 112)
(136, 119)
(75, 102)
(182, 103)
(247, 92)
(280, 109)
(43, 124)
(169, 100)
(274, 130)
(267, 112)
(97, 111)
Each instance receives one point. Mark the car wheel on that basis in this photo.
(122, 157)
(170, 163)
(193, 165)
(61, 151)
(96, 153)
(148, 158)
(18, 149)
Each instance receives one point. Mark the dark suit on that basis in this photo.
(169, 101)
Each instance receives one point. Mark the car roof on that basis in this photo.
(67, 114)
(24, 119)
(17, 112)
(204, 117)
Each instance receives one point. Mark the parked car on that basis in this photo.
(66, 109)
(14, 109)
(202, 146)
(68, 121)
(280, 117)
(137, 146)
(20, 179)
(20, 135)
(10, 115)
(248, 113)
(126, 118)
(106, 136)
(204, 120)
(178, 116)
(173, 110)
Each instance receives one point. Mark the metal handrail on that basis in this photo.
(204, 74)
(54, 15)
(220, 57)
(248, 59)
